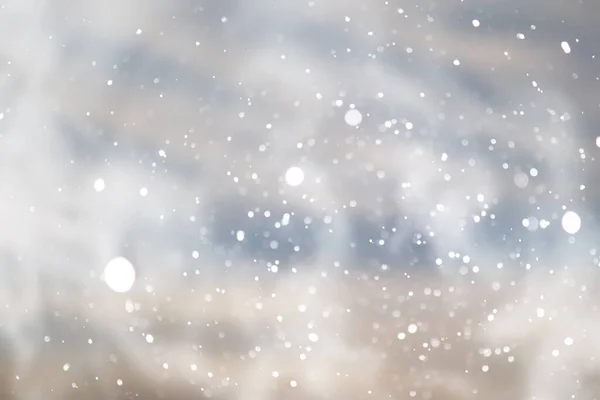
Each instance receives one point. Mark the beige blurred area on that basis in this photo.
(156, 130)
(316, 336)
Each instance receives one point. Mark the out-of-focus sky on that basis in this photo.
(440, 144)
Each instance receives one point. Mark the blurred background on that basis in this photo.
(318, 199)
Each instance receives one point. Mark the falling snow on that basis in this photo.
(294, 176)
(303, 201)
(119, 275)
(353, 117)
(571, 222)
(99, 185)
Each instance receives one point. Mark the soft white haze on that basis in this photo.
(297, 200)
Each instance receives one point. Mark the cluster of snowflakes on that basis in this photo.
(120, 274)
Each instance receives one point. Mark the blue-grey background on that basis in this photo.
(207, 104)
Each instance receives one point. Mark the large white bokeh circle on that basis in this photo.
(119, 274)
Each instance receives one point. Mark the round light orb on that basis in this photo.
(119, 275)
(571, 222)
(353, 117)
(99, 185)
(294, 176)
